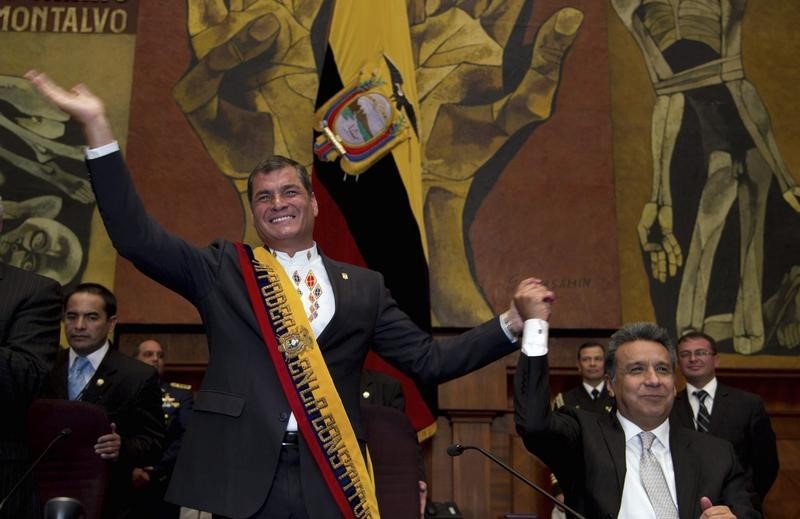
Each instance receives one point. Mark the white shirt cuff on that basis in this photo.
(102, 151)
(534, 337)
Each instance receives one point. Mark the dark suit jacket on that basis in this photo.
(578, 398)
(233, 442)
(586, 451)
(381, 389)
(740, 418)
(129, 393)
(30, 322)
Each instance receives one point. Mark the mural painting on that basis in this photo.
(718, 232)
(50, 225)
(484, 76)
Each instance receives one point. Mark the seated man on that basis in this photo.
(631, 463)
(92, 371)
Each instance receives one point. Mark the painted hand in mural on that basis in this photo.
(250, 91)
(657, 239)
(469, 111)
(39, 125)
(782, 310)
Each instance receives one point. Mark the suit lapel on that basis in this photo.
(614, 438)
(720, 409)
(102, 381)
(683, 411)
(342, 294)
(686, 469)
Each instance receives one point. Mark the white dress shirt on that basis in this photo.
(635, 503)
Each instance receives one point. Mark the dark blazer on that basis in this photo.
(129, 393)
(578, 398)
(30, 323)
(740, 418)
(586, 451)
(380, 389)
(231, 448)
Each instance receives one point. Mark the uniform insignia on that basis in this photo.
(178, 385)
(365, 120)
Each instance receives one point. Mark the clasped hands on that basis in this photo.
(532, 300)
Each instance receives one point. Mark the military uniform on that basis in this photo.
(176, 402)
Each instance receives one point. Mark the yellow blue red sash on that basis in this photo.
(307, 384)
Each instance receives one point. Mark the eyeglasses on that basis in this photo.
(699, 354)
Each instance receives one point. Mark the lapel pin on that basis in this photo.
(345, 276)
(100, 382)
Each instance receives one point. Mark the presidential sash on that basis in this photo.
(307, 384)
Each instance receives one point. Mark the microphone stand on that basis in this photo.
(61, 434)
(457, 449)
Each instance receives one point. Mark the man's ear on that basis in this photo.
(608, 385)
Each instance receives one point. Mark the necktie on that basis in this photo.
(703, 416)
(78, 377)
(595, 394)
(653, 480)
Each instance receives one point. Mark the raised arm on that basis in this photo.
(80, 103)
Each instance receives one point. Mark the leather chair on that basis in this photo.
(395, 456)
(71, 468)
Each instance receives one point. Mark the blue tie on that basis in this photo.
(78, 376)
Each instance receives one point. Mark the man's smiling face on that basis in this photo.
(283, 211)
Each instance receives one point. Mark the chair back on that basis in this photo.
(71, 468)
(396, 459)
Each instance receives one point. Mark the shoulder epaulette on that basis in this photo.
(178, 385)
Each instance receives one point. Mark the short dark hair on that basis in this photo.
(690, 336)
(109, 301)
(275, 163)
(589, 345)
(636, 332)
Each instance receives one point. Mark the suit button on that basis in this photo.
(284, 416)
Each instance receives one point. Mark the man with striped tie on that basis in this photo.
(726, 412)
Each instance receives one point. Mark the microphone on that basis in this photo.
(63, 508)
(457, 449)
(66, 431)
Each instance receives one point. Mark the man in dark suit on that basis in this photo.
(127, 390)
(259, 465)
(30, 316)
(177, 401)
(726, 412)
(633, 463)
(592, 395)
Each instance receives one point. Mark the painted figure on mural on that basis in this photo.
(716, 171)
(48, 206)
(257, 63)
